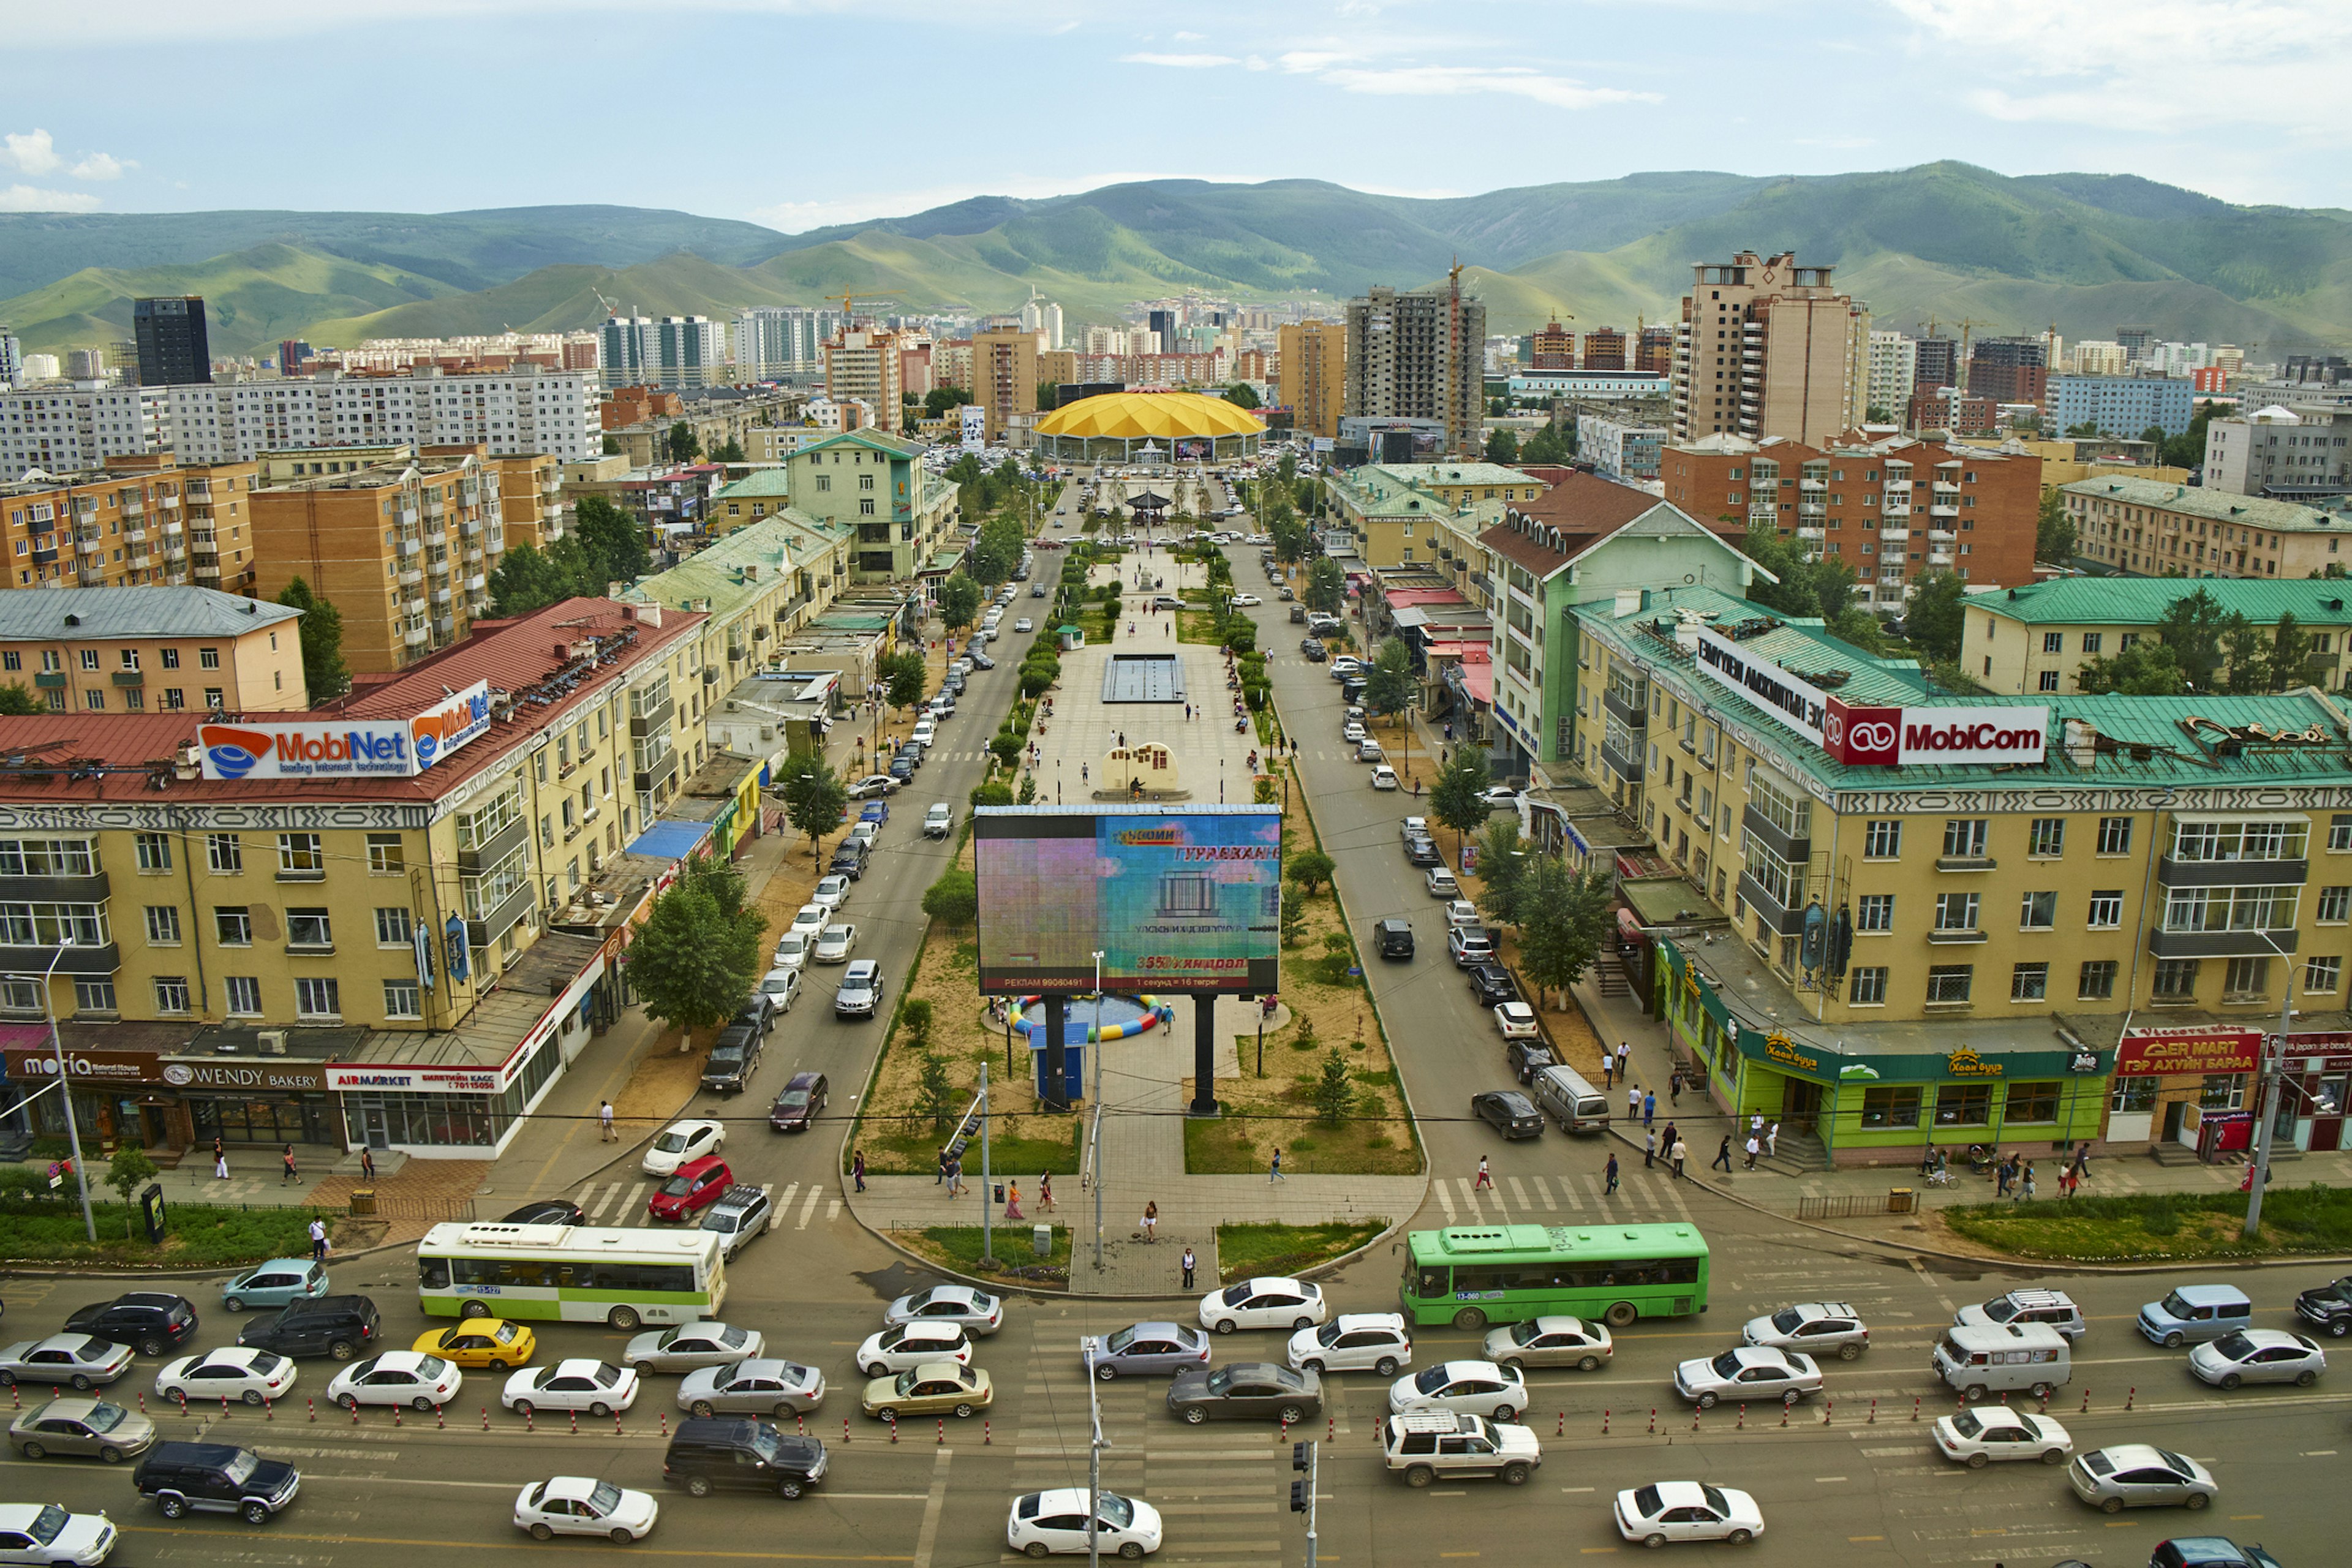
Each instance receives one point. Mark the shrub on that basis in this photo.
(915, 1017)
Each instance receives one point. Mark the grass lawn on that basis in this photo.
(2161, 1226)
(1196, 627)
(197, 1237)
(1243, 1250)
(958, 1247)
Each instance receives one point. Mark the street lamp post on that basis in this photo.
(2266, 1089)
(64, 1089)
(1095, 1043)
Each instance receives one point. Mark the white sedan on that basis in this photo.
(903, 1347)
(596, 1386)
(1042, 1523)
(831, 893)
(1987, 1432)
(1499, 797)
(1665, 1511)
(834, 943)
(793, 950)
(1517, 1020)
(235, 1371)
(808, 920)
(1268, 1302)
(1248, 601)
(1023, 625)
(1749, 1373)
(1465, 1387)
(396, 1377)
(1384, 777)
(874, 786)
(976, 1311)
(583, 1505)
(679, 1142)
(44, 1532)
(1354, 1341)
(1353, 732)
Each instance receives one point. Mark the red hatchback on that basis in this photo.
(695, 1186)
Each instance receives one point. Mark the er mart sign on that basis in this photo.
(349, 748)
(1884, 737)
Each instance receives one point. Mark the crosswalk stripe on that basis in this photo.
(596, 1210)
(808, 1208)
(1445, 1198)
(1518, 1192)
(1543, 1190)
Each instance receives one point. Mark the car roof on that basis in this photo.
(1511, 1099)
(59, 1341)
(1433, 1421)
(1751, 1356)
(299, 1265)
(950, 1293)
(929, 1328)
(861, 968)
(1347, 1321)
(1473, 1368)
(2209, 1295)
(1276, 1282)
(701, 1164)
(72, 1408)
(1155, 1326)
(2039, 1298)
(803, 1081)
(579, 1365)
(1679, 1494)
(396, 1359)
(2267, 1338)
(571, 1487)
(694, 1124)
(2124, 1454)
(938, 1369)
(1555, 1323)
(1998, 1415)
(1821, 1309)
(1515, 1008)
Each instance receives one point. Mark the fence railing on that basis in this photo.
(1853, 1205)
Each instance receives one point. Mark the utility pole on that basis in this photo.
(1093, 1460)
(65, 1091)
(987, 1193)
(2267, 1088)
(1303, 1457)
(1094, 1047)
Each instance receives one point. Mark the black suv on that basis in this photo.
(713, 1452)
(1394, 936)
(337, 1326)
(1491, 982)
(216, 1478)
(2328, 1306)
(148, 1320)
(733, 1058)
(849, 860)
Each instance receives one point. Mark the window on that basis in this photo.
(2046, 836)
(302, 856)
(1874, 911)
(2322, 975)
(1950, 983)
(208, 659)
(1882, 840)
(1963, 1104)
(2053, 642)
(2031, 1102)
(1964, 838)
(2132, 1094)
(243, 994)
(171, 657)
(402, 999)
(2037, 911)
(2223, 1091)
(2091, 641)
(1868, 988)
(93, 996)
(171, 994)
(392, 927)
(318, 999)
(2097, 980)
(310, 927)
(2114, 836)
(2246, 977)
(18, 995)
(163, 925)
(2231, 909)
(2106, 910)
(154, 851)
(486, 822)
(1776, 877)
(2046, 681)
(1890, 1106)
(214, 699)
(2029, 983)
(1792, 815)
(1956, 912)
(2335, 905)
(89, 658)
(2175, 980)
(2210, 841)
(233, 925)
(386, 853)
(47, 857)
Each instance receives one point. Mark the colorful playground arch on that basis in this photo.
(1123, 1017)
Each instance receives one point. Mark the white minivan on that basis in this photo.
(2005, 1358)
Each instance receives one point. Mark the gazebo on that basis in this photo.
(1150, 509)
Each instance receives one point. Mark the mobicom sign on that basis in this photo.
(343, 748)
(1874, 737)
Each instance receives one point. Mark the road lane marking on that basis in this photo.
(637, 1549)
(933, 1503)
(808, 1208)
(2317, 1454)
(1825, 1480)
(1519, 1193)
(1445, 1199)
(1858, 1539)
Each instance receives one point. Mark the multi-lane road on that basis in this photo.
(1849, 1482)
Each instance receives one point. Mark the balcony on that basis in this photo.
(1628, 768)
(2172, 873)
(135, 535)
(169, 503)
(1943, 535)
(411, 577)
(497, 921)
(140, 558)
(44, 557)
(1822, 485)
(67, 889)
(1632, 715)
(471, 527)
(91, 544)
(493, 850)
(474, 583)
(104, 958)
(1785, 922)
(652, 719)
(133, 508)
(2221, 943)
(175, 550)
(176, 579)
(129, 678)
(1896, 535)
(1944, 512)
(445, 625)
(649, 776)
(441, 597)
(406, 518)
(1810, 531)
(1966, 863)
(1896, 508)
(174, 529)
(415, 637)
(1945, 935)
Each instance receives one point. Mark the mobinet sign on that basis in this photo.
(358, 747)
(1886, 737)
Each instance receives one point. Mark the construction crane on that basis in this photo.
(849, 301)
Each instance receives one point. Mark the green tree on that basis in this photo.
(611, 445)
(1563, 920)
(954, 898)
(2155, 437)
(903, 677)
(1294, 916)
(1813, 589)
(2192, 626)
(959, 602)
(1241, 394)
(1935, 616)
(914, 1015)
(2187, 450)
(612, 540)
(529, 578)
(995, 792)
(938, 400)
(1334, 1093)
(1241, 633)
(2248, 649)
(1502, 870)
(1546, 446)
(1502, 446)
(324, 674)
(2053, 533)
(815, 799)
(699, 950)
(128, 1167)
(684, 445)
(1458, 797)
(935, 1096)
(1311, 869)
(2088, 430)
(1388, 687)
(996, 554)
(19, 700)
(2143, 669)
(1326, 587)
(730, 451)
(2291, 656)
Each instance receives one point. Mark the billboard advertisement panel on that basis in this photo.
(267, 748)
(1180, 898)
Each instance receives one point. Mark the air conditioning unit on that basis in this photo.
(271, 1042)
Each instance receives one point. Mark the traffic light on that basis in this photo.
(1299, 1497)
(1298, 1460)
(1303, 1461)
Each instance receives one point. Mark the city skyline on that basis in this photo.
(1573, 92)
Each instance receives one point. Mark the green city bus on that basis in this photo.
(1470, 1275)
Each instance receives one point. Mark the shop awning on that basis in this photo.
(670, 840)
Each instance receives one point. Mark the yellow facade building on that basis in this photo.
(164, 650)
(1313, 376)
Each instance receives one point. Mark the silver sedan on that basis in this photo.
(692, 1345)
(76, 1359)
(2257, 1355)
(753, 1387)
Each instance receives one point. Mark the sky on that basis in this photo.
(800, 113)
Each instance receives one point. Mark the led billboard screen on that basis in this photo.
(1184, 899)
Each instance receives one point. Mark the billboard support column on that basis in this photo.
(1204, 1053)
(1058, 1012)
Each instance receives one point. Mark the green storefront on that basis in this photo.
(1884, 1107)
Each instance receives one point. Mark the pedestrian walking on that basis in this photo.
(858, 1169)
(291, 1174)
(604, 1123)
(1486, 1182)
(1755, 1147)
(1608, 1070)
(943, 1169)
(2002, 1175)
(1680, 1152)
(1632, 1102)
(1274, 1171)
(1624, 1059)
(220, 1163)
(1188, 1265)
(1772, 1140)
(1723, 1156)
(1649, 1106)
(1012, 1201)
(367, 1165)
(1151, 1221)
(2067, 1181)
(1674, 1088)
(1649, 1151)
(1756, 1125)
(955, 1176)
(2082, 1163)
(2026, 1181)
(1610, 1172)
(318, 1240)
(1045, 1191)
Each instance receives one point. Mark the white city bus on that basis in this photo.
(576, 1274)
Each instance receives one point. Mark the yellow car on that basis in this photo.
(480, 1343)
(934, 1388)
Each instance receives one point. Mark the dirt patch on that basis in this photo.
(1574, 1038)
(666, 1077)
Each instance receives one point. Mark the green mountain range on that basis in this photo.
(1946, 241)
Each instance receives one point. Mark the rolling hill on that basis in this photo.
(1947, 240)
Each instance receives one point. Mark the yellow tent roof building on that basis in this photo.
(1126, 426)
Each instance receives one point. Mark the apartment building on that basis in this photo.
(2148, 528)
(1620, 449)
(1395, 511)
(360, 913)
(1551, 347)
(1603, 349)
(1418, 355)
(673, 351)
(1312, 374)
(751, 593)
(1004, 377)
(1894, 363)
(783, 340)
(1890, 508)
(861, 364)
(1653, 350)
(65, 429)
(2300, 451)
(402, 551)
(2121, 405)
(2053, 921)
(174, 345)
(2010, 370)
(1766, 347)
(2036, 638)
(823, 549)
(165, 650)
(879, 486)
(138, 521)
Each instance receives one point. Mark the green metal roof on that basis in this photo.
(2217, 506)
(2142, 601)
(1426, 474)
(761, 482)
(717, 573)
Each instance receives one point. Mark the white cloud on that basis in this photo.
(30, 152)
(101, 166)
(1191, 38)
(27, 199)
(1181, 62)
(1448, 81)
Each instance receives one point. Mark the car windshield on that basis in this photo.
(1727, 1364)
(2000, 1308)
(1788, 1320)
(792, 1098)
(605, 1498)
(2235, 1345)
(1431, 1380)
(1116, 1511)
(1715, 1499)
(1122, 1340)
(904, 1384)
(676, 1187)
(1525, 1333)
(2173, 1306)
(670, 1142)
(1234, 1295)
(47, 1522)
(1328, 1335)
(2181, 1466)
